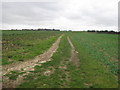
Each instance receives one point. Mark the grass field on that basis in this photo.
(23, 45)
(97, 53)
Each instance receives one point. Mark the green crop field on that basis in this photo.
(102, 47)
(97, 54)
(23, 45)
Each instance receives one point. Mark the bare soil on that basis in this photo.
(74, 54)
(27, 65)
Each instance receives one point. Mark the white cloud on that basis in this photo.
(63, 14)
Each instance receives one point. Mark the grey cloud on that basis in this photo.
(97, 16)
(28, 12)
(58, 14)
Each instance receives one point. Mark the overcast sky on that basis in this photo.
(61, 14)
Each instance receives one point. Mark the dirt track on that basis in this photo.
(28, 65)
(74, 57)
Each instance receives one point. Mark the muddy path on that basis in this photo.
(28, 65)
(74, 54)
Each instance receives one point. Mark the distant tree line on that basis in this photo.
(104, 31)
(37, 29)
(48, 29)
